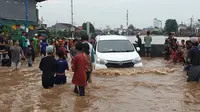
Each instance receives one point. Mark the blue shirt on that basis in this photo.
(199, 47)
(43, 46)
(61, 66)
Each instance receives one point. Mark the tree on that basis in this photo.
(131, 27)
(92, 29)
(65, 33)
(171, 25)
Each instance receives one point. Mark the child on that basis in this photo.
(79, 69)
(183, 44)
(62, 65)
(16, 51)
(172, 55)
(43, 46)
(174, 45)
(89, 68)
(48, 67)
(180, 54)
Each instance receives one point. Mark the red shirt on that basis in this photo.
(63, 50)
(79, 68)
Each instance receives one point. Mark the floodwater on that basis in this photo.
(158, 87)
(156, 39)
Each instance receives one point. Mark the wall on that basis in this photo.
(156, 50)
(16, 9)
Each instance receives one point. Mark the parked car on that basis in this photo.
(114, 51)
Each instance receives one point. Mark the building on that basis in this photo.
(13, 14)
(182, 27)
(157, 23)
(61, 27)
(186, 31)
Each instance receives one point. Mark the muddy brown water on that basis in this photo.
(158, 87)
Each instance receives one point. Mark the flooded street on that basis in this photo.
(158, 87)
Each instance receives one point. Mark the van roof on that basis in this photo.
(111, 37)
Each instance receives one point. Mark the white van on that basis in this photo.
(114, 51)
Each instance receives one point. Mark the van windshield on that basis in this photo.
(115, 46)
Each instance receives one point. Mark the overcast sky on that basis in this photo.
(113, 12)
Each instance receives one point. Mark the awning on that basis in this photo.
(40, 0)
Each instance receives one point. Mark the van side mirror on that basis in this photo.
(137, 48)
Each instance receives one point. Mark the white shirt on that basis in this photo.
(28, 42)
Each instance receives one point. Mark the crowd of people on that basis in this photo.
(54, 58)
(186, 53)
(82, 59)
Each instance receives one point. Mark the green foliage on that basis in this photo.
(5, 30)
(157, 32)
(171, 25)
(131, 27)
(92, 29)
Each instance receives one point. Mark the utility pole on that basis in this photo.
(191, 24)
(127, 19)
(72, 19)
(26, 16)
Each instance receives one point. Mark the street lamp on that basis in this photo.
(27, 16)
(72, 19)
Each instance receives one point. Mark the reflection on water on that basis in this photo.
(157, 87)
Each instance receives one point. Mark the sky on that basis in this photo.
(113, 12)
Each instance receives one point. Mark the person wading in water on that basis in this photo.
(194, 61)
(79, 69)
(48, 68)
(16, 51)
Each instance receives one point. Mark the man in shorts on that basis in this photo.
(147, 45)
(16, 51)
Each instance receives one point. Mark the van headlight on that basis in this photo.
(137, 60)
(101, 61)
